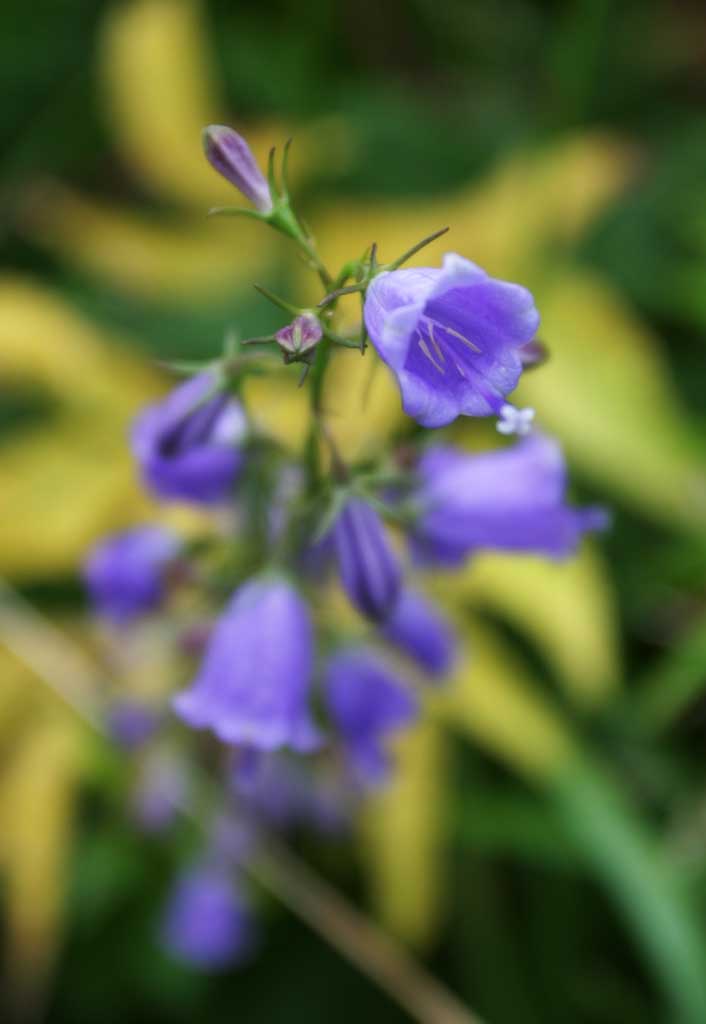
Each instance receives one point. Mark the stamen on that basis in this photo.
(425, 349)
(457, 334)
(460, 369)
(435, 343)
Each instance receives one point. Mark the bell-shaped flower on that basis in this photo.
(229, 154)
(369, 568)
(418, 629)
(511, 499)
(188, 446)
(125, 574)
(367, 704)
(207, 924)
(452, 336)
(254, 682)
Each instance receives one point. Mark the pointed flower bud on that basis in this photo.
(207, 923)
(512, 499)
(452, 337)
(370, 571)
(125, 574)
(367, 704)
(187, 446)
(418, 629)
(253, 686)
(229, 154)
(300, 337)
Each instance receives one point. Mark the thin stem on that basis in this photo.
(361, 942)
(70, 674)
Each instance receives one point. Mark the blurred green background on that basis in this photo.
(565, 145)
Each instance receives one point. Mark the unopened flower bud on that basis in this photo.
(299, 337)
(229, 154)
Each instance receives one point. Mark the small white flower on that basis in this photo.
(515, 421)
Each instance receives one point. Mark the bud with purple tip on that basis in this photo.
(229, 154)
(300, 337)
(370, 571)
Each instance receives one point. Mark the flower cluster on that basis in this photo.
(298, 705)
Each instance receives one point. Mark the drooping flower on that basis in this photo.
(452, 336)
(301, 336)
(125, 574)
(418, 629)
(253, 685)
(207, 923)
(513, 499)
(229, 154)
(188, 445)
(370, 570)
(367, 704)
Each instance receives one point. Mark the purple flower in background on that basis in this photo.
(229, 154)
(370, 571)
(367, 704)
(187, 446)
(131, 723)
(160, 790)
(418, 628)
(253, 685)
(282, 792)
(125, 574)
(207, 922)
(513, 499)
(452, 336)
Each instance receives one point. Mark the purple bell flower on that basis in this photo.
(418, 629)
(367, 703)
(188, 445)
(370, 571)
(125, 574)
(513, 499)
(253, 685)
(229, 154)
(207, 923)
(452, 336)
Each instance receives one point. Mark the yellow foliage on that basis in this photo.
(66, 482)
(565, 608)
(605, 391)
(493, 699)
(183, 261)
(402, 835)
(159, 95)
(37, 792)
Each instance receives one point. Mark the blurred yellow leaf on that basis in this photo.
(402, 837)
(159, 92)
(67, 480)
(565, 608)
(363, 404)
(180, 262)
(494, 699)
(606, 393)
(36, 804)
